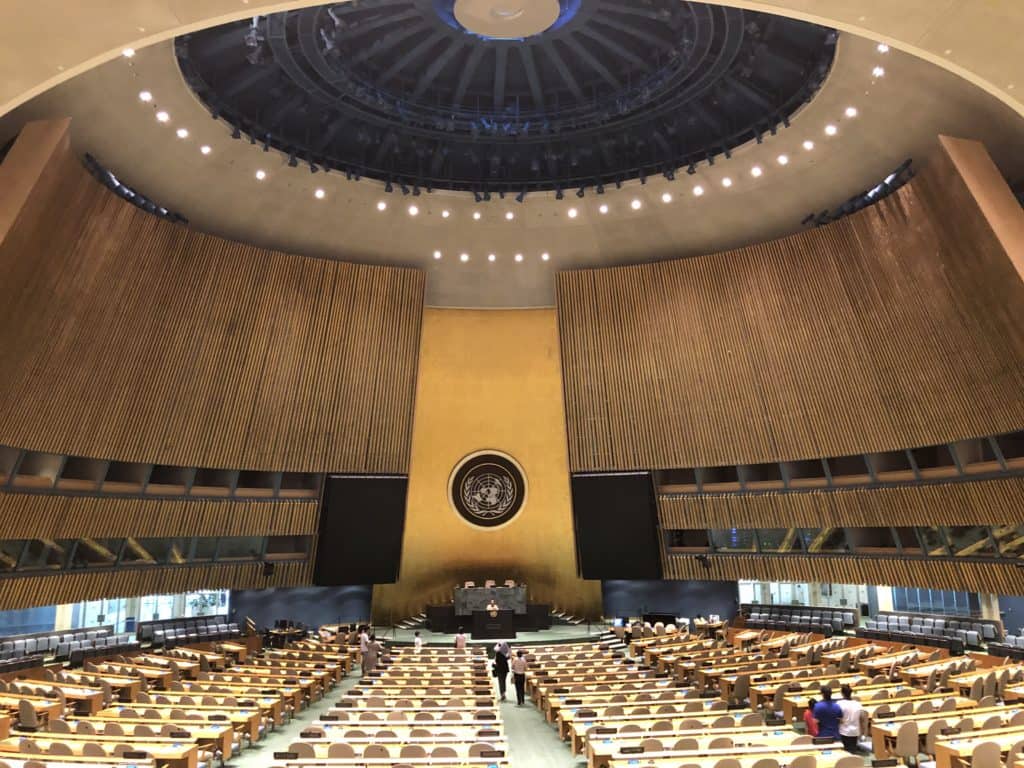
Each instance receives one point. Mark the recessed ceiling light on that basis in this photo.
(445, 213)
(603, 208)
(491, 257)
(726, 182)
(206, 149)
(756, 171)
(413, 210)
(182, 133)
(636, 204)
(545, 256)
(783, 159)
(437, 254)
(261, 175)
(463, 257)
(128, 52)
(509, 215)
(476, 215)
(666, 197)
(145, 96)
(162, 116)
(319, 194)
(698, 190)
(381, 205)
(851, 111)
(878, 71)
(808, 145)
(831, 130)
(883, 48)
(573, 213)
(519, 257)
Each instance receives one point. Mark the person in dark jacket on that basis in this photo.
(501, 654)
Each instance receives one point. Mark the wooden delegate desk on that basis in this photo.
(247, 719)
(78, 761)
(46, 709)
(208, 735)
(5, 726)
(573, 727)
(394, 745)
(794, 705)
(169, 752)
(883, 732)
(602, 748)
(388, 762)
(955, 750)
(86, 700)
(825, 756)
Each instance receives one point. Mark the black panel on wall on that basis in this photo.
(678, 598)
(311, 606)
(361, 522)
(616, 519)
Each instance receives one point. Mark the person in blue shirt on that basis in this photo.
(828, 713)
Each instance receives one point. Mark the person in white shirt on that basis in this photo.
(417, 641)
(853, 721)
(460, 639)
(364, 646)
(519, 667)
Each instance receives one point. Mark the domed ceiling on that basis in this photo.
(507, 96)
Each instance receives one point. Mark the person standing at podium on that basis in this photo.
(501, 654)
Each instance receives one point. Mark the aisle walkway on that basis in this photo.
(533, 742)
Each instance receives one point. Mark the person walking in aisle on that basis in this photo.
(374, 649)
(519, 667)
(364, 642)
(828, 715)
(460, 639)
(501, 654)
(417, 642)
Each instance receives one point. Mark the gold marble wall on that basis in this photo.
(488, 379)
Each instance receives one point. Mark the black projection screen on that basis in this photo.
(361, 523)
(616, 519)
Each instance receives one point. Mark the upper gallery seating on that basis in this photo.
(171, 632)
(73, 645)
(800, 618)
(937, 630)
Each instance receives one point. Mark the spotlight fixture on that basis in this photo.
(464, 257)
(670, 174)
(437, 255)
(851, 111)
(580, 192)
(182, 133)
(236, 133)
(477, 197)
(405, 189)
(319, 194)
(487, 196)
(636, 204)
(445, 213)
(293, 161)
(831, 130)
(145, 96)
(783, 159)
(691, 169)
(491, 257)
(266, 142)
(521, 196)
(261, 175)
(883, 48)
(573, 213)
(206, 149)
(603, 209)
(756, 171)
(476, 215)
(726, 182)
(558, 194)
(413, 210)
(509, 215)
(666, 197)
(808, 145)
(878, 71)
(518, 257)
(698, 191)
(162, 116)
(381, 205)
(128, 52)
(415, 190)
(389, 187)
(545, 256)
(600, 189)
(313, 167)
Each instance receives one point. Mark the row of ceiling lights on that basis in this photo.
(756, 171)
(492, 257)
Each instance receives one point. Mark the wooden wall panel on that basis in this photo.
(996, 501)
(896, 327)
(127, 337)
(28, 591)
(29, 516)
(996, 578)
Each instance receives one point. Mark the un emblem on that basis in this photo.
(487, 488)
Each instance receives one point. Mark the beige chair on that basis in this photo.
(58, 726)
(728, 762)
(751, 719)
(986, 755)
(907, 742)
(720, 742)
(302, 749)
(652, 745)
(686, 745)
(661, 725)
(412, 750)
(376, 750)
(803, 761)
(444, 752)
(28, 720)
(853, 761)
(92, 749)
(766, 762)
